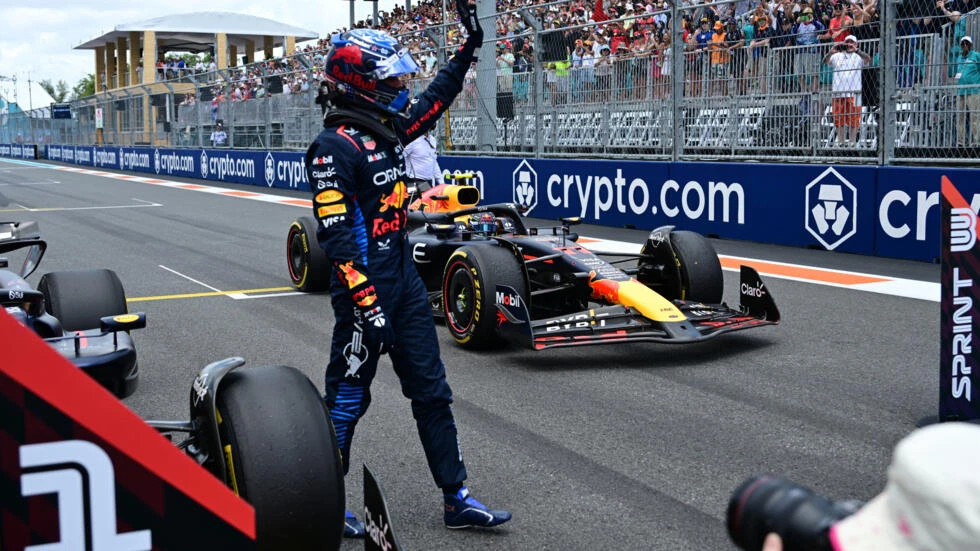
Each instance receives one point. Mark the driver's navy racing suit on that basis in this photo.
(356, 170)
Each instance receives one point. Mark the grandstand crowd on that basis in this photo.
(622, 51)
(593, 52)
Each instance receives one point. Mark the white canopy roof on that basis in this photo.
(195, 32)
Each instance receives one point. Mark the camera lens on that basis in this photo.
(764, 504)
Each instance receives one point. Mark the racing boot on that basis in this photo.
(353, 528)
(463, 511)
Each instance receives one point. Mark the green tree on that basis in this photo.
(58, 92)
(84, 88)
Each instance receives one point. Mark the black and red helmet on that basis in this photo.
(358, 63)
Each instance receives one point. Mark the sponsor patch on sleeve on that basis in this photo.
(329, 196)
(331, 210)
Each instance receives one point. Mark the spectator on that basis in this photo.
(736, 46)
(702, 40)
(840, 24)
(806, 64)
(720, 58)
(847, 62)
(603, 71)
(782, 44)
(218, 136)
(968, 98)
(760, 52)
(422, 163)
(641, 66)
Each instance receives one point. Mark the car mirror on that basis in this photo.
(32, 259)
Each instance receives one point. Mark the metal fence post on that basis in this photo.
(676, 81)
(887, 118)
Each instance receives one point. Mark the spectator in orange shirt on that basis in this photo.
(719, 61)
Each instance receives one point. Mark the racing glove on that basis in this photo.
(378, 332)
(467, 17)
(377, 328)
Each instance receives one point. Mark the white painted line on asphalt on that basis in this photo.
(191, 279)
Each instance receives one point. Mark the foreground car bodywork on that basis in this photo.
(80, 313)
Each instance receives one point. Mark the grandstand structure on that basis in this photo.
(137, 90)
(653, 101)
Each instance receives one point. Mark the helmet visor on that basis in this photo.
(398, 64)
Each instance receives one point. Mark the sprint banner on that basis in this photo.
(958, 395)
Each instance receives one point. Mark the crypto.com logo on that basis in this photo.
(270, 169)
(526, 186)
(204, 165)
(64, 468)
(831, 207)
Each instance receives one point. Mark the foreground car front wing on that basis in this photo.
(617, 324)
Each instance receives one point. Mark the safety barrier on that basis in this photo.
(881, 211)
(18, 151)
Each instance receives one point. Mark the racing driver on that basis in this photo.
(356, 168)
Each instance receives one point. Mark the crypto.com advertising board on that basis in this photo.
(883, 211)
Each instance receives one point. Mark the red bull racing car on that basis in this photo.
(492, 279)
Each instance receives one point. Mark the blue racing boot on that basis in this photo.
(353, 528)
(462, 511)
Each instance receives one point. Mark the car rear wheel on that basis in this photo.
(469, 292)
(701, 276)
(282, 457)
(308, 265)
(80, 298)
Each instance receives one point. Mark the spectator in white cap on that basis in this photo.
(847, 61)
(931, 501)
(968, 97)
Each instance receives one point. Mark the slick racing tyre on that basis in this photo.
(282, 457)
(308, 265)
(80, 298)
(701, 276)
(469, 292)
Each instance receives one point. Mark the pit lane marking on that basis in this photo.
(237, 295)
(103, 207)
(909, 288)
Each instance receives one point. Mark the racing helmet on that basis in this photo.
(483, 223)
(357, 65)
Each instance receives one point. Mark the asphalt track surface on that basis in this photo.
(611, 447)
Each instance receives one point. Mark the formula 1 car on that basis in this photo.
(81, 313)
(492, 279)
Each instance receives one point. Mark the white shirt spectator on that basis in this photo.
(421, 161)
(847, 74)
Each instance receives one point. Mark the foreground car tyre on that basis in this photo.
(80, 298)
(469, 292)
(282, 457)
(701, 276)
(308, 265)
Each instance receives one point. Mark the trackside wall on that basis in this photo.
(881, 211)
(18, 151)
